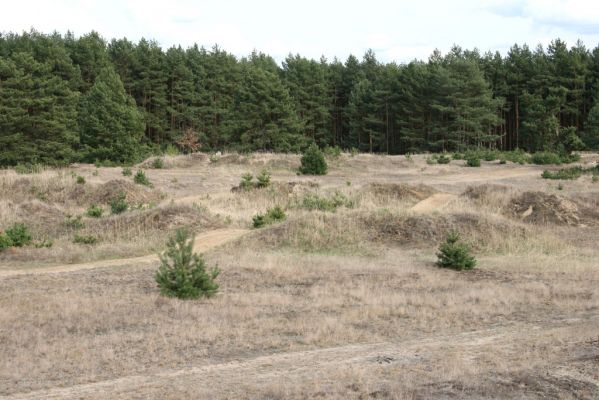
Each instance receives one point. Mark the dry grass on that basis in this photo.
(364, 276)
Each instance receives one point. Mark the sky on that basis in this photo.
(397, 30)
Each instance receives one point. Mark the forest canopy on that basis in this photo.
(65, 99)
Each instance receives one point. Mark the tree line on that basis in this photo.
(65, 98)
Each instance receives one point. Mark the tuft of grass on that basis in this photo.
(74, 222)
(126, 171)
(80, 180)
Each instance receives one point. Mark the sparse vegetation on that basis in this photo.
(80, 180)
(28, 168)
(5, 242)
(454, 254)
(564, 173)
(472, 160)
(314, 202)
(183, 273)
(74, 222)
(247, 181)
(85, 239)
(127, 171)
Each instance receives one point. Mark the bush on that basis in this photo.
(119, 205)
(182, 273)
(126, 171)
(74, 222)
(80, 180)
(271, 216)
(431, 160)
(95, 211)
(332, 151)
(313, 162)
(158, 163)
(443, 159)
(263, 179)
(314, 202)
(567, 173)
(473, 161)
(85, 239)
(545, 158)
(5, 242)
(455, 255)
(246, 181)
(19, 235)
(141, 179)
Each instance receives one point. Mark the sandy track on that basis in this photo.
(412, 354)
(203, 242)
(432, 203)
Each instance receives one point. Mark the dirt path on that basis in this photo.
(411, 354)
(434, 202)
(203, 242)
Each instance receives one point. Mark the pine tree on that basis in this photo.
(38, 111)
(264, 117)
(111, 125)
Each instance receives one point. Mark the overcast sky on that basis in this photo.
(397, 30)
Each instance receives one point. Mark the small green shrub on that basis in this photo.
(141, 179)
(564, 173)
(431, 160)
(171, 150)
(313, 162)
(443, 159)
(332, 151)
(119, 205)
(502, 161)
(74, 222)
(454, 254)
(19, 235)
(5, 242)
(272, 215)
(314, 202)
(80, 239)
(247, 181)
(473, 161)
(80, 180)
(182, 273)
(263, 179)
(126, 171)
(545, 158)
(158, 163)
(95, 211)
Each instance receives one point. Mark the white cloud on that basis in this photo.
(398, 30)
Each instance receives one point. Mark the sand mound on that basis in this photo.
(401, 191)
(476, 229)
(350, 232)
(162, 219)
(107, 192)
(543, 208)
(484, 192)
(42, 218)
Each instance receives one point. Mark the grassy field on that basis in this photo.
(341, 300)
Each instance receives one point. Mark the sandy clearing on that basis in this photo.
(412, 354)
